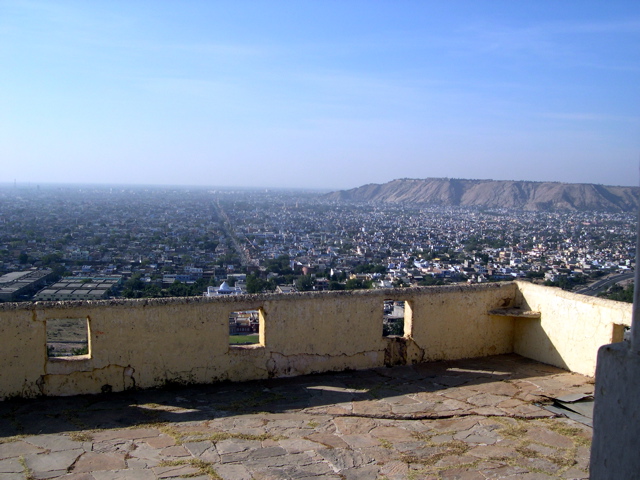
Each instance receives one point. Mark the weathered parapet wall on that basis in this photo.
(454, 322)
(571, 327)
(147, 343)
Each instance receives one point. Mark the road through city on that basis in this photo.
(604, 283)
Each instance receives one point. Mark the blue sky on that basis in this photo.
(319, 94)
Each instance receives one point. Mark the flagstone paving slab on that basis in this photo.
(469, 419)
(11, 465)
(17, 448)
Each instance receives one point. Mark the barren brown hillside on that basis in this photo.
(497, 194)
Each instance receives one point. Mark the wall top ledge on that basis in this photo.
(515, 312)
(396, 293)
(557, 292)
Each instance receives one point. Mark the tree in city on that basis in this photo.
(255, 284)
(280, 265)
(304, 283)
(616, 292)
(358, 284)
(399, 283)
(178, 289)
(370, 268)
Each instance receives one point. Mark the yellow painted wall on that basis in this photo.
(147, 343)
(22, 351)
(453, 322)
(571, 328)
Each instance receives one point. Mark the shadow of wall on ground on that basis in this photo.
(172, 404)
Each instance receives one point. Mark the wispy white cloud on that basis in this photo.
(220, 49)
(503, 40)
(192, 87)
(562, 43)
(623, 27)
(590, 117)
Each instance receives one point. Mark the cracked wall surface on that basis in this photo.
(153, 342)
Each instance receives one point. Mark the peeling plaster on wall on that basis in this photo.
(289, 366)
(82, 382)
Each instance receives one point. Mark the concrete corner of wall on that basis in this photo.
(571, 328)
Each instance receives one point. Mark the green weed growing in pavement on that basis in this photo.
(574, 433)
(15, 438)
(513, 431)
(214, 437)
(423, 437)
(80, 436)
(220, 436)
(28, 474)
(204, 468)
(385, 443)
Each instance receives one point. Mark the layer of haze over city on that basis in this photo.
(320, 95)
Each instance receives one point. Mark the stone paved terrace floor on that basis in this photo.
(471, 419)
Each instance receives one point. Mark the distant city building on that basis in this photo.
(79, 288)
(21, 285)
(169, 279)
(244, 323)
(285, 289)
(223, 289)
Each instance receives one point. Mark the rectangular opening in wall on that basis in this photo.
(67, 337)
(620, 333)
(244, 327)
(393, 318)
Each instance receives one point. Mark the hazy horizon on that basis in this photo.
(318, 96)
(106, 185)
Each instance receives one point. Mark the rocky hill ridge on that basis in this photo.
(522, 195)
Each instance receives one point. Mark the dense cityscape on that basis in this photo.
(92, 242)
